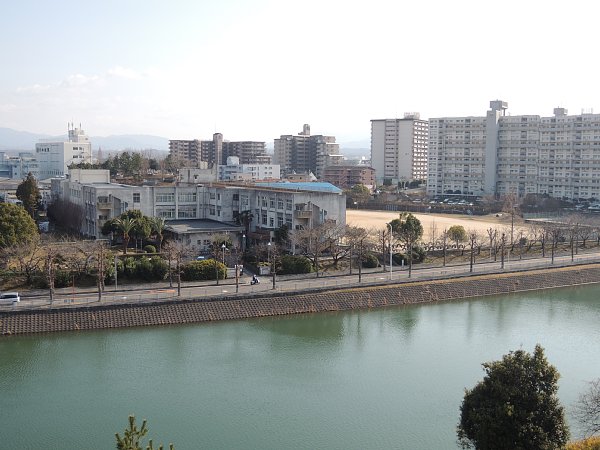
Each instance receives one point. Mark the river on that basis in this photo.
(391, 378)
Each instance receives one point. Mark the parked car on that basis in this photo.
(8, 298)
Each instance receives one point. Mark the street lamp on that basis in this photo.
(223, 248)
(390, 225)
(244, 242)
(272, 263)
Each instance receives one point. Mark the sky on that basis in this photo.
(256, 69)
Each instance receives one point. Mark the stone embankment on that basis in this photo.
(195, 311)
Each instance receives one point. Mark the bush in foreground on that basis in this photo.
(515, 406)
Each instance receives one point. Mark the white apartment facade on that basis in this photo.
(499, 154)
(296, 205)
(234, 171)
(54, 157)
(399, 148)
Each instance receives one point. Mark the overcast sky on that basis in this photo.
(256, 69)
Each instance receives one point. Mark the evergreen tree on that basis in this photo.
(16, 226)
(29, 193)
(515, 406)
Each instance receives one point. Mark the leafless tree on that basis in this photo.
(176, 251)
(587, 409)
(493, 237)
(358, 238)
(473, 238)
(310, 243)
(333, 237)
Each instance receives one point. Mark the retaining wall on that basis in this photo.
(194, 311)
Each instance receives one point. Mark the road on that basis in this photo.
(227, 288)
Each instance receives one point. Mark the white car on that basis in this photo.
(8, 298)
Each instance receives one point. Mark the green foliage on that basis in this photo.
(515, 406)
(142, 268)
(132, 437)
(407, 227)
(369, 261)
(63, 278)
(160, 268)
(203, 270)
(418, 256)
(16, 226)
(282, 235)
(29, 193)
(457, 233)
(294, 264)
(150, 248)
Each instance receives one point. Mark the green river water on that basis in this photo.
(390, 378)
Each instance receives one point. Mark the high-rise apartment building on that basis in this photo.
(216, 151)
(305, 152)
(54, 157)
(186, 152)
(399, 148)
(499, 154)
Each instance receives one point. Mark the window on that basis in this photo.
(136, 197)
(271, 222)
(165, 198)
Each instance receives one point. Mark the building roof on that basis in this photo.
(303, 186)
(201, 225)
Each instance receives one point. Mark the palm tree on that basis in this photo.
(157, 224)
(125, 225)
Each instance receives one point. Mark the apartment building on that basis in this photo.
(306, 153)
(399, 149)
(203, 206)
(557, 155)
(54, 157)
(234, 170)
(216, 151)
(186, 152)
(346, 177)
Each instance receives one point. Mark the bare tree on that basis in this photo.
(176, 251)
(587, 409)
(473, 238)
(493, 237)
(333, 234)
(358, 238)
(444, 240)
(310, 243)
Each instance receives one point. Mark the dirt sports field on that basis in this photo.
(379, 219)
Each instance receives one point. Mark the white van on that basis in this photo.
(8, 298)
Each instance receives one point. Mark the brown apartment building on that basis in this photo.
(345, 177)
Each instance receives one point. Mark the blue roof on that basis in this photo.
(315, 186)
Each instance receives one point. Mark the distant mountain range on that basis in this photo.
(13, 140)
(24, 141)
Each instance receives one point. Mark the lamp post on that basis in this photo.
(272, 263)
(223, 248)
(390, 225)
(243, 242)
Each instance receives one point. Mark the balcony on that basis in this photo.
(303, 214)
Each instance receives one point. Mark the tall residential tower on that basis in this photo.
(399, 149)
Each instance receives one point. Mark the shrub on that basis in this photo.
(160, 268)
(418, 256)
(62, 278)
(293, 264)
(203, 270)
(592, 443)
(369, 261)
(143, 269)
(150, 249)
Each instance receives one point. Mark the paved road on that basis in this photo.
(210, 290)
